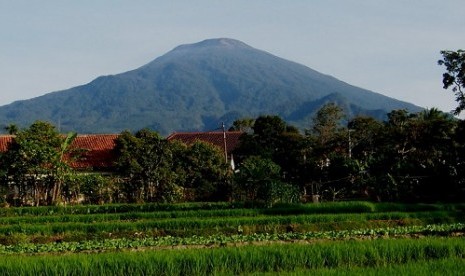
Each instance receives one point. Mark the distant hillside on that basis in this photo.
(196, 87)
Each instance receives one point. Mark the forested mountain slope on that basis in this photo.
(196, 87)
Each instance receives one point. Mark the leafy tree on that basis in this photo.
(12, 129)
(415, 153)
(274, 139)
(61, 166)
(435, 154)
(454, 61)
(343, 177)
(91, 188)
(390, 166)
(265, 139)
(258, 180)
(365, 147)
(326, 139)
(269, 126)
(204, 171)
(144, 160)
(327, 122)
(35, 162)
(244, 124)
(289, 156)
(327, 134)
(399, 133)
(364, 134)
(459, 139)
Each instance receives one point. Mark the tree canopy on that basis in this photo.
(35, 163)
(454, 77)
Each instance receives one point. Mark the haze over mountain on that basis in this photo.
(196, 87)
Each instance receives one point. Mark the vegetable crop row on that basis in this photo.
(240, 260)
(113, 244)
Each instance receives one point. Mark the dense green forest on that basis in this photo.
(410, 157)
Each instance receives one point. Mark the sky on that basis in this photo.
(390, 46)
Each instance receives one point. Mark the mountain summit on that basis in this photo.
(214, 43)
(196, 87)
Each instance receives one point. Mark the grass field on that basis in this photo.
(230, 239)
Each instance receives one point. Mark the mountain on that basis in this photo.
(196, 87)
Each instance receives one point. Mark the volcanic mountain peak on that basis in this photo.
(213, 43)
(196, 87)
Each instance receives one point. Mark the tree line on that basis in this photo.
(409, 157)
(36, 170)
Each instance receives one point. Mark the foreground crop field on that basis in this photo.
(223, 238)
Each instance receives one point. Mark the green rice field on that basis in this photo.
(349, 238)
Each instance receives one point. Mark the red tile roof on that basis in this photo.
(215, 138)
(97, 150)
(4, 141)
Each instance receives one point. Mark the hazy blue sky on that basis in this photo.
(390, 47)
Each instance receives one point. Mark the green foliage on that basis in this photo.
(402, 159)
(203, 170)
(327, 135)
(95, 188)
(273, 139)
(166, 210)
(115, 221)
(446, 266)
(144, 161)
(117, 208)
(279, 258)
(124, 226)
(225, 238)
(326, 155)
(18, 242)
(258, 180)
(265, 140)
(364, 133)
(327, 122)
(417, 153)
(454, 61)
(35, 166)
(244, 124)
(12, 129)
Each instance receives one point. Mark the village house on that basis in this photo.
(96, 150)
